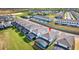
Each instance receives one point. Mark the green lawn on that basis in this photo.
(16, 41)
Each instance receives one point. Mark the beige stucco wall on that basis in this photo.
(77, 42)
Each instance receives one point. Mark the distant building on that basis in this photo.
(5, 21)
(41, 19)
(67, 23)
(59, 15)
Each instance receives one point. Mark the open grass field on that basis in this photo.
(12, 40)
(3, 41)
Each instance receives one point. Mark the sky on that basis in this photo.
(39, 3)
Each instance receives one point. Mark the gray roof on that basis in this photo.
(28, 24)
(5, 18)
(30, 36)
(67, 41)
(42, 18)
(64, 42)
(41, 41)
(70, 40)
(51, 36)
(41, 30)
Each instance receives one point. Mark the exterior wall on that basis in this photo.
(76, 42)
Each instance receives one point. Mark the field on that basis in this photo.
(10, 39)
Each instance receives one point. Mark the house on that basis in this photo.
(5, 21)
(65, 42)
(31, 36)
(59, 15)
(41, 19)
(50, 36)
(2, 27)
(26, 27)
(13, 23)
(25, 31)
(62, 44)
(7, 24)
(41, 43)
(40, 30)
(36, 31)
(44, 40)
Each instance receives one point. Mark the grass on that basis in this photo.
(51, 16)
(50, 47)
(15, 41)
(67, 28)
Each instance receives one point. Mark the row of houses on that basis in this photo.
(76, 15)
(41, 11)
(70, 19)
(5, 21)
(65, 15)
(42, 36)
(30, 30)
(67, 23)
(34, 31)
(41, 19)
(59, 15)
